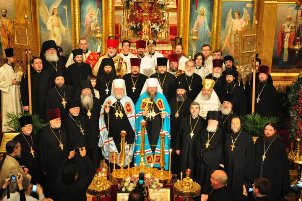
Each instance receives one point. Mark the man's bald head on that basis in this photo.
(219, 179)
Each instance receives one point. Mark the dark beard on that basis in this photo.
(79, 63)
(181, 98)
(107, 77)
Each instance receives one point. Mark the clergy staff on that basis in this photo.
(189, 129)
(153, 108)
(216, 76)
(51, 58)
(234, 88)
(119, 63)
(135, 80)
(59, 95)
(117, 115)
(272, 161)
(10, 91)
(173, 65)
(239, 159)
(126, 54)
(180, 108)
(41, 83)
(147, 66)
(76, 126)
(77, 71)
(29, 144)
(207, 98)
(53, 149)
(152, 53)
(90, 111)
(200, 68)
(166, 80)
(192, 81)
(226, 112)
(208, 152)
(106, 75)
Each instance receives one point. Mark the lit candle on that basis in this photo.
(129, 157)
(170, 160)
(181, 176)
(113, 161)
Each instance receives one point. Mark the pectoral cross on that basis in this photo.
(116, 114)
(82, 130)
(107, 91)
(232, 146)
(64, 102)
(258, 99)
(61, 146)
(207, 144)
(263, 157)
(32, 152)
(89, 114)
(192, 134)
(190, 88)
(133, 89)
(121, 115)
(176, 114)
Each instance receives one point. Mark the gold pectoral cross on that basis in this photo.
(258, 99)
(207, 144)
(192, 134)
(32, 152)
(133, 89)
(263, 157)
(232, 146)
(64, 102)
(61, 146)
(89, 114)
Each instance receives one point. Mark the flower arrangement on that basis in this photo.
(162, 2)
(129, 183)
(135, 27)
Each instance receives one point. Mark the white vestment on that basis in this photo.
(202, 71)
(71, 61)
(213, 104)
(155, 56)
(10, 94)
(208, 63)
(127, 60)
(182, 63)
(147, 66)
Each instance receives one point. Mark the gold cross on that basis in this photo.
(207, 144)
(64, 102)
(133, 89)
(32, 152)
(258, 99)
(61, 146)
(263, 157)
(89, 114)
(232, 147)
(116, 114)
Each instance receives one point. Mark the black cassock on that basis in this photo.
(55, 98)
(93, 130)
(116, 125)
(182, 109)
(219, 85)
(104, 85)
(220, 194)
(54, 68)
(167, 82)
(239, 100)
(185, 141)
(73, 126)
(41, 83)
(275, 167)
(225, 121)
(27, 159)
(75, 73)
(239, 163)
(52, 157)
(207, 158)
(267, 105)
(138, 81)
(193, 84)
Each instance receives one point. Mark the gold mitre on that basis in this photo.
(208, 84)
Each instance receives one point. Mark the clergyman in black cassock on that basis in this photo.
(189, 129)
(41, 83)
(180, 108)
(272, 162)
(29, 145)
(216, 75)
(76, 126)
(193, 81)
(77, 71)
(239, 159)
(51, 59)
(234, 88)
(226, 112)
(59, 95)
(166, 80)
(90, 111)
(208, 151)
(134, 80)
(53, 149)
(105, 76)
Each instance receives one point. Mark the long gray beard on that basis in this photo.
(51, 57)
(226, 111)
(181, 98)
(118, 96)
(211, 129)
(87, 101)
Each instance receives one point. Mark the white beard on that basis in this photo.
(51, 57)
(87, 101)
(226, 111)
(119, 96)
(216, 75)
(206, 97)
(211, 129)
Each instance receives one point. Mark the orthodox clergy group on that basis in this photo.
(91, 103)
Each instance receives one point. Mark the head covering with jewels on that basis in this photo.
(144, 103)
(173, 58)
(9, 52)
(77, 52)
(25, 120)
(140, 44)
(263, 69)
(151, 82)
(129, 109)
(162, 61)
(208, 84)
(213, 115)
(135, 62)
(54, 114)
(113, 43)
(217, 63)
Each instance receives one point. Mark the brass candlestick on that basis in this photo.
(194, 38)
(122, 154)
(143, 132)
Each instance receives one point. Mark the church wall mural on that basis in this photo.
(288, 31)
(55, 22)
(6, 26)
(201, 17)
(235, 16)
